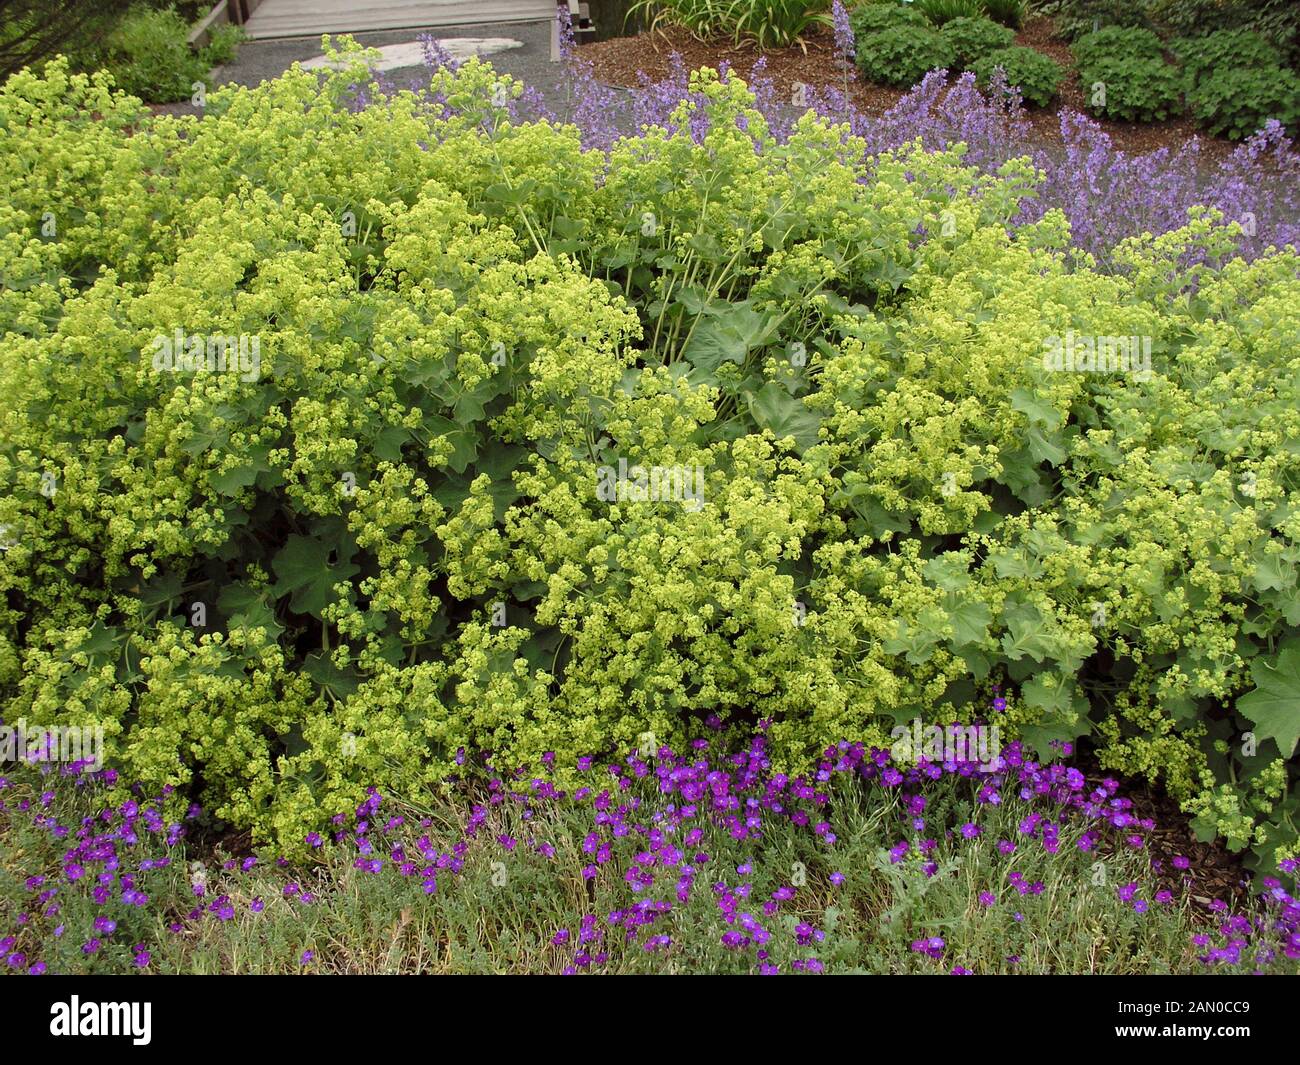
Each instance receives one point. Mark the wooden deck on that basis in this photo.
(310, 18)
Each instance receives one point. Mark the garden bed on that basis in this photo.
(623, 60)
(325, 466)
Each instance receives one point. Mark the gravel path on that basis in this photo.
(258, 61)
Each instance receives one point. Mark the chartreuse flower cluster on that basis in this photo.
(703, 860)
(275, 589)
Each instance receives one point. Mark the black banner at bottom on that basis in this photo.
(152, 1014)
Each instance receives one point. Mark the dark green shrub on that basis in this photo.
(1132, 88)
(1277, 21)
(873, 18)
(1007, 12)
(1034, 74)
(1117, 42)
(902, 56)
(149, 55)
(1224, 49)
(223, 44)
(1078, 18)
(1124, 75)
(1236, 101)
(974, 38)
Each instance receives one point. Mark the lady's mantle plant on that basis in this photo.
(307, 408)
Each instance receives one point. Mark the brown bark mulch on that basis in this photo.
(618, 61)
(1215, 873)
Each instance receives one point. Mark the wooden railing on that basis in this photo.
(238, 12)
(234, 12)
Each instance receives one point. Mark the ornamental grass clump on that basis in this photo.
(339, 439)
(768, 23)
